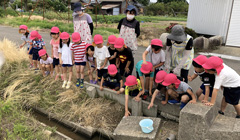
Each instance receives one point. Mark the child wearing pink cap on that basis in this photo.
(78, 53)
(101, 55)
(227, 78)
(91, 63)
(66, 58)
(112, 79)
(179, 91)
(208, 80)
(37, 44)
(112, 50)
(132, 88)
(55, 41)
(46, 63)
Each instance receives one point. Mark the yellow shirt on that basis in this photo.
(139, 87)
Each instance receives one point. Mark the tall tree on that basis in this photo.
(143, 2)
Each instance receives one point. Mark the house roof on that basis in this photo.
(109, 6)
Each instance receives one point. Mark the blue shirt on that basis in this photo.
(138, 67)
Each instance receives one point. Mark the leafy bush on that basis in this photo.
(2, 13)
(11, 12)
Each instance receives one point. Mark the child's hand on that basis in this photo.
(192, 101)
(144, 62)
(118, 92)
(163, 102)
(101, 88)
(61, 62)
(204, 101)
(137, 99)
(190, 78)
(20, 46)
(127, 113)
(150, 93)
(209, 104)
(127, 70)
(150, 105)
(101, 67)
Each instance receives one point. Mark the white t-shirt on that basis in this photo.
(101, 54)
(46, 62)
(154, 58)
(66, 54)
(227, 78)
(26, 39)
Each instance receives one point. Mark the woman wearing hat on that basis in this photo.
(179, 52)
(129, 28)
(82, 23)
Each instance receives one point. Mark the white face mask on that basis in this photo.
(130, 17)
(79, 12)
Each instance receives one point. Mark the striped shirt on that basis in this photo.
(79, 51)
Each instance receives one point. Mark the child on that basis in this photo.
(111, 49)
(147, 71)
(125, 61)
(78, 53)
(227, 78)
(178, 90)
(133, 88)
(102, 55)
(91, 63)
(25, 37)
(208, 80)
(160, 88)
(36, 45)
(55, 45)
(129, 28)
(46, 63)
(156, 55)
(66, 59)
(112, 79)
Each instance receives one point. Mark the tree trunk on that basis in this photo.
(25, 3)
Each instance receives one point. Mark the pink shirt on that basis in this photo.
(55, 45)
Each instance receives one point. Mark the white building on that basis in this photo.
(216, 17)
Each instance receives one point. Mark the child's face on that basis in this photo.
(44, 57)
(99, 45)
(77, 42)
(90, 52)
(111, 46)
(120, 49)
(171, 86)
(55, 36)
(156, 51)
(132, 87)
(199, 70)
(131, 12)
(210, 71)
(65, 41)
(22, 31)
(35, 39)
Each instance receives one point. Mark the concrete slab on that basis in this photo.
(152, 112)
(92, 92)
(169, 109)
(129, 129)
(137, 108)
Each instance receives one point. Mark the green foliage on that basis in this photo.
(11, 12)
(97, 9)
(144, 2)
(2, 12)
(191, 32)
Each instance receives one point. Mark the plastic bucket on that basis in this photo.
(146, 125)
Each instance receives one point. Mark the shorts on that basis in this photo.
(180, 96)
(203, 88)
(35, 54)
(55, 62)
(111, 85)
(133, 93)
(67, 65)
(146, 75)
(30, 52)
(122, 72)
(80, 63)
(92, 66)
(232, 95)
(101, 73)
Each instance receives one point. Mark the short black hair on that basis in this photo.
(155, 47)
(212, 70)
(196, 64)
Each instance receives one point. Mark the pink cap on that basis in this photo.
(111, 39)
(131, 80)
(112, 69)
(214, 62)
(157, 42)
(87, 46)
(146, 68)
(35, 34)
(42, 52)
(171, 79)
(119, 42)
(201, 59)
(55, 30)
(23, 27)
(64, 35)
(160, 76)
(98, 39)
(76, 37)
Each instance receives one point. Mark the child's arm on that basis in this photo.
(158, 65)
(150, 86)
(127, 67)
(105, 62)
(190, 78)
(144, 57)
(121, 84)
(153, 98)
(22, 44)
(213, 99)
(127, 113)
(60, 58)
(166, 98)
(101, 84)
(72, 57)
(189, 91)
(142, 83)
(117, 62)
(114, 56)
(207, 92)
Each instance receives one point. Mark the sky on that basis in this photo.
(153, 1)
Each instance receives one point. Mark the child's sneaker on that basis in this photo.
(62, 77)
(64, 84)
(30, 66)
(95, 82)
(78, 83)
(173, 102)
(68, 84)
(91, 82)
(220, 112)
(182, 105)
(238, 116)
(81, 85)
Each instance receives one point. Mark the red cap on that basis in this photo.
(111, 39)
(112, 69)
(146, 68)
(76, 37)
(131, 80)
(171, 79)
(35, 34)
(98, 39)
(200, 60)
(42, 52)
(55, 30)
(157, 42)
(119, 42)
(64, 35)
(214, 62)
(23, 27)
(160, 76)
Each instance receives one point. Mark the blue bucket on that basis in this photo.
(146, 125)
